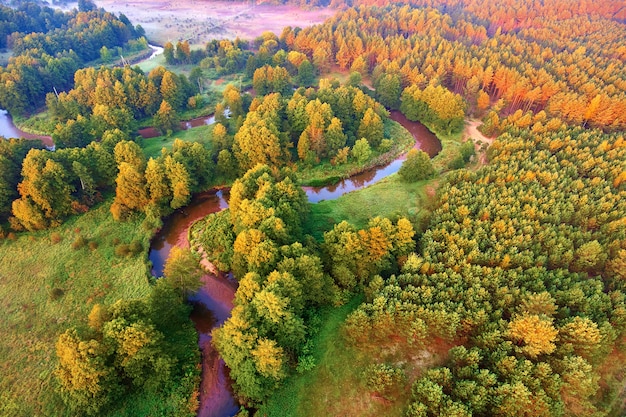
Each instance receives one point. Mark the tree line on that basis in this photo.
(117, 98)
(48, 47)
(284, 275)
(530, 284)
(534, 68)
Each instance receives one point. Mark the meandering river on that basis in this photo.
(8, 130)
(212, 304)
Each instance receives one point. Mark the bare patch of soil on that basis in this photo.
(471, 131)
(201, 21)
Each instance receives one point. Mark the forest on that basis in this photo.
(498, 292)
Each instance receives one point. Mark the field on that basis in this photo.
(389, 197)
(200, 21)
(47, 286)
(152, 147)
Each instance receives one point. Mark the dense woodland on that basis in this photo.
(519, 266)
(48, 46)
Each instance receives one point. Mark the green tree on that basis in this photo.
(371, 128)
(166, 119)
(416, 167)
(388, 90)
(130, 193)
(257, 142)
(182, 271)
(306, 73)
(88, 383)
(361, 151)
(158, 186)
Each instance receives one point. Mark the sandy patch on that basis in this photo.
(201, 21)
(471, 131)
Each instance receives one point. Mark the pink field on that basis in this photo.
(200, 21)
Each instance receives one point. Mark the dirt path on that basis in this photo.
(471, 131)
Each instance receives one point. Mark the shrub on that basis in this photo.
(417, 166)
(79, 242)
(384, 379)
(55, 237)
(122, 250)
(56, 293)
(361, 151)
(385, 145)
(135, 247)
(93, 245)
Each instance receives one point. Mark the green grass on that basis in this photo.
(328, 354)
(150, 64)
(325, 173)
(38, 124)
(387, 198)
(449, 150)
(152, 147)
(47, 287)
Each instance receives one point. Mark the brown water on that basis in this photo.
(9, 130)
(153, 132)
(213, 302)
(424, 140)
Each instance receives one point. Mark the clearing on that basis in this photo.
(200, 21)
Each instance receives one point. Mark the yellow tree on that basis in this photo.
(257, 142)
(534, 334)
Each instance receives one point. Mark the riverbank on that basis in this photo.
(325, 173)
(47, 285)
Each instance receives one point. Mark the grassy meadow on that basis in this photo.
(390, 197)
(152, 147)
(47, 286)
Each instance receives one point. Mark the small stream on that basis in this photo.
(213, 302)
(9, 130)
(424, 140)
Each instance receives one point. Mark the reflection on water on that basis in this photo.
(211, 304)
(153, 132)
(8, 130)
(424, 140)
(211, 307)
(174, 231)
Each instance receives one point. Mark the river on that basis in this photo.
(8, 130)
(424, 140)
(213, 302)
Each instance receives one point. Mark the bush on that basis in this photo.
(135, 247)
(122, 250)
(361, 151)
(56, 293)
(55, 237)
(384, 379)
(466, 151)
(385, 145)
(417, 166)
(79, 242)
(93, 245)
